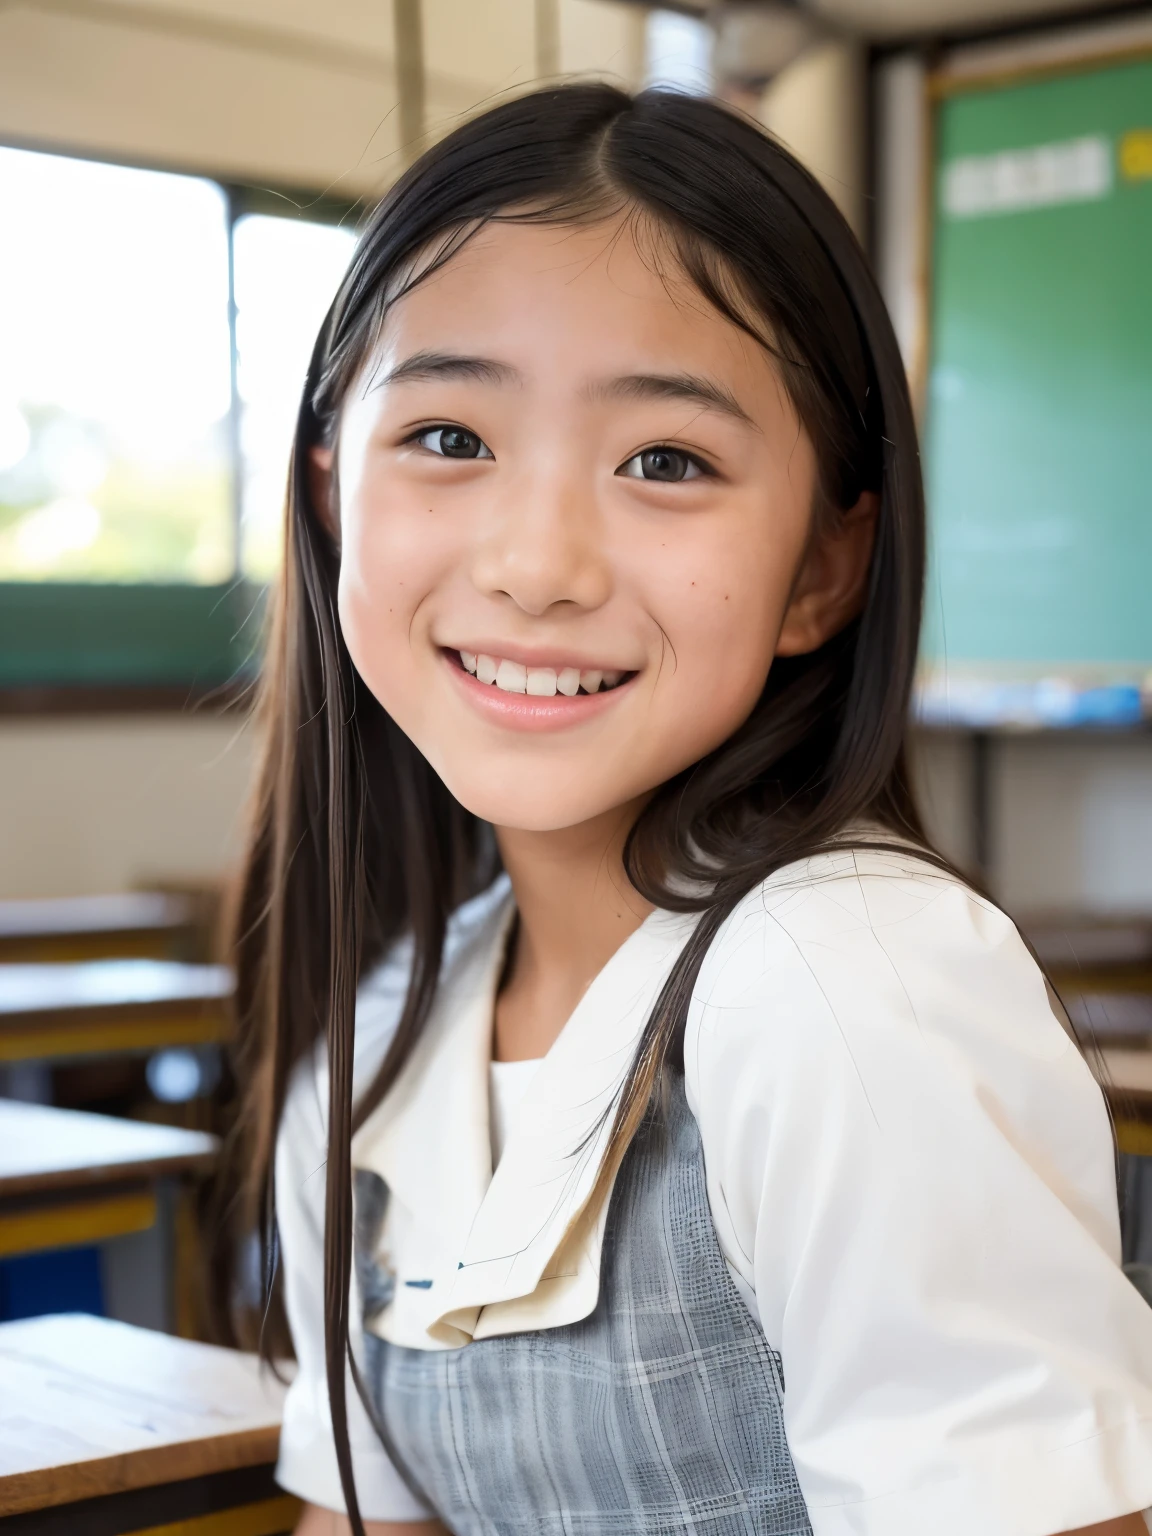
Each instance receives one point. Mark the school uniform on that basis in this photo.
(859, 1277)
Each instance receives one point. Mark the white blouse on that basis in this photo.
(508, 1082)
(909, 1169)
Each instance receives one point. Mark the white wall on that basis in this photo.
(100, 804)
(105, 803)
(1070, 824)
(816, 108)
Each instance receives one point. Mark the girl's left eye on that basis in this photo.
(453, 443)
(669, 465)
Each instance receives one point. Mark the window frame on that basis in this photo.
(140, 647)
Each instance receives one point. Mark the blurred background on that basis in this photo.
(180, 187)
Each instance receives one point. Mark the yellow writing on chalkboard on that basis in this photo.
(1136, 155)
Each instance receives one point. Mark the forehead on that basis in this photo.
(604, 288)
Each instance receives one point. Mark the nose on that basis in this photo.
(545, 545)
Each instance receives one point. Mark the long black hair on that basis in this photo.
(354, 839)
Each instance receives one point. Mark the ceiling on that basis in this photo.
(304, 93)
(881, 19)
(288, 92)
(888, 18)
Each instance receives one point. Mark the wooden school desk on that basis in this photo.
(55, 1012)
(149, 924)
(107, 1429)
(69, 1178)
(1102, 969)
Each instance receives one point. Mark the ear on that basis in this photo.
(321, 488)
(830, 585)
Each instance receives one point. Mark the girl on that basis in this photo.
(720, 1164)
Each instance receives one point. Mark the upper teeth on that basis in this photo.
(542, 681)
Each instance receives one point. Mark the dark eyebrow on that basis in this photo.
(673, 386)
(423, 366)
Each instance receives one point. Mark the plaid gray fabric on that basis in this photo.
(660, 1413)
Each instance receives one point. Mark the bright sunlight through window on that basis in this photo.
(287, 271)
(117, 450)
(114, 374)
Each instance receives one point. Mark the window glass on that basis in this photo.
(678, 51)
(286, 275)
(114, 374)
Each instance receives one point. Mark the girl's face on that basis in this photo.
(576, 525)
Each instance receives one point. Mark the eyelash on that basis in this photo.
(702, 466)
(705, 470)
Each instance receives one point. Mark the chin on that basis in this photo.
(525, 805)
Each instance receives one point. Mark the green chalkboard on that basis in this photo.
(1039, 412)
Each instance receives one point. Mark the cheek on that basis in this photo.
(392, 558)
(721, 610)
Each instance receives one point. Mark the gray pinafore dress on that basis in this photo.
(659, 1413)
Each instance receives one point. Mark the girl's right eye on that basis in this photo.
(452, 443)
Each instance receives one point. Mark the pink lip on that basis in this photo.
(530, 712)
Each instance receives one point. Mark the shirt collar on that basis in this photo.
(429, 1138)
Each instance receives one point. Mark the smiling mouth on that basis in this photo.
(540, 682)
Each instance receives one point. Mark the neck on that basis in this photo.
(576, 907)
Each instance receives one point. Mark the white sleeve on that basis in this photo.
(307, 1464)
(910, 1165)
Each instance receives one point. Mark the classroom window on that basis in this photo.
(286, 272)
(114, 374)
(155, 330)
(678, 51)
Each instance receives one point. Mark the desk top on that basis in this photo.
(30, 991)
(1074, 942)
(1110, 1018)
(75, 916)
(91, 1407)
(42, 1148)
(1096, 963)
